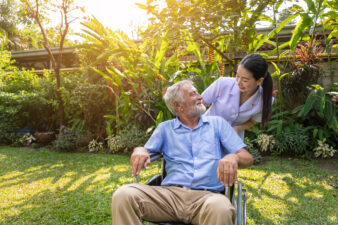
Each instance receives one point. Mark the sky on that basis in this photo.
(116, 14)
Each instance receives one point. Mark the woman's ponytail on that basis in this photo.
(267, 98)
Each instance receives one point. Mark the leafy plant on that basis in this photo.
(95, 146)
(253, 150)
(127, 139)
(265, 142)
(324, 150)
(292, 142)
(27, 139)
(67, 141)
(135, 73)
(24, 100)
(319, 104)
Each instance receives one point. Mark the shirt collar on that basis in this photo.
(178, 123)
(234, 89)
(253, 100)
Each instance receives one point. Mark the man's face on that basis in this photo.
(192, 105)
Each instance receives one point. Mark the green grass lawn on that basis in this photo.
(41, 187)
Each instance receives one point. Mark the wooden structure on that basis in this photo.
(39, 59)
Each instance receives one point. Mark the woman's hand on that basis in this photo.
(244, 126)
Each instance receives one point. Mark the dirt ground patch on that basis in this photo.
(327, 164)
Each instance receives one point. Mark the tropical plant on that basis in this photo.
(324, 150)
(251, 147)
(135, 74)
(27, 139)
(127, 139)
(304, 71)
(265, 142)
(319, 112)
(222, 26)
(95, 146)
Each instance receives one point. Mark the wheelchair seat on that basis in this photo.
(240, 204)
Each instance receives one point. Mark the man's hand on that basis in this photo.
(227, 169)
(139, 159)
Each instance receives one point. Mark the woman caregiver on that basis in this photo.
(243, 100)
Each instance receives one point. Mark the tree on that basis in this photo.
(11, 17)
(220, 25)
(66, 8)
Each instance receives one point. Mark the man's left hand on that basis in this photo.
(227, 169)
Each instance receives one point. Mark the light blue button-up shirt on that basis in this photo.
(192, 155)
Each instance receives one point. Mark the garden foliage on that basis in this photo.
(116, 97)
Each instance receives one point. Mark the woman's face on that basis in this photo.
(246, 81)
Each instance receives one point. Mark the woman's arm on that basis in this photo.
(244, 126)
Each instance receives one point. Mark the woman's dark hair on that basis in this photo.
(258, 66)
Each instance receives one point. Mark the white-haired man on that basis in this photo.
(202, 155)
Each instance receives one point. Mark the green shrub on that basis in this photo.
(265, 142)
(23, 101)
(293, 142)
(95, 146)
(324, 150)
(253, 150)
(27, 139)
(67, 141)
(127, 139)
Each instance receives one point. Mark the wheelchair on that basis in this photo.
(236, 195)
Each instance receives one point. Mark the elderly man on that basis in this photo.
(202, 155)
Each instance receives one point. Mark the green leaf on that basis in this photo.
(328, 111)
(159, 118)
(277, 73)
(116, 78)
(298, 32)
(310, 101)
(159, 57)
(275, 31)
(315, 132)
(311, 6)
(279, 47)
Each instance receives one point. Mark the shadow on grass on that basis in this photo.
(60, 188)
(56, 188)
(290, 192)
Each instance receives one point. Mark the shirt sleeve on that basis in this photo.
(257, 117)
(212, 92)
(230, 140)
(155, 142)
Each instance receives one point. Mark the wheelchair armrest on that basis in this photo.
(155, 156)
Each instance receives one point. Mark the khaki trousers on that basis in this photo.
(135, 202)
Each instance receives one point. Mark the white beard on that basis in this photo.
(196, 110)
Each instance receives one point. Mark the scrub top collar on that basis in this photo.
(248, 104)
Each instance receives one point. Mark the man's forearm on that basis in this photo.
(245, 159)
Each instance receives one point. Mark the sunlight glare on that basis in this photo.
(117, 14)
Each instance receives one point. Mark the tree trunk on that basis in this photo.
(58, 95)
